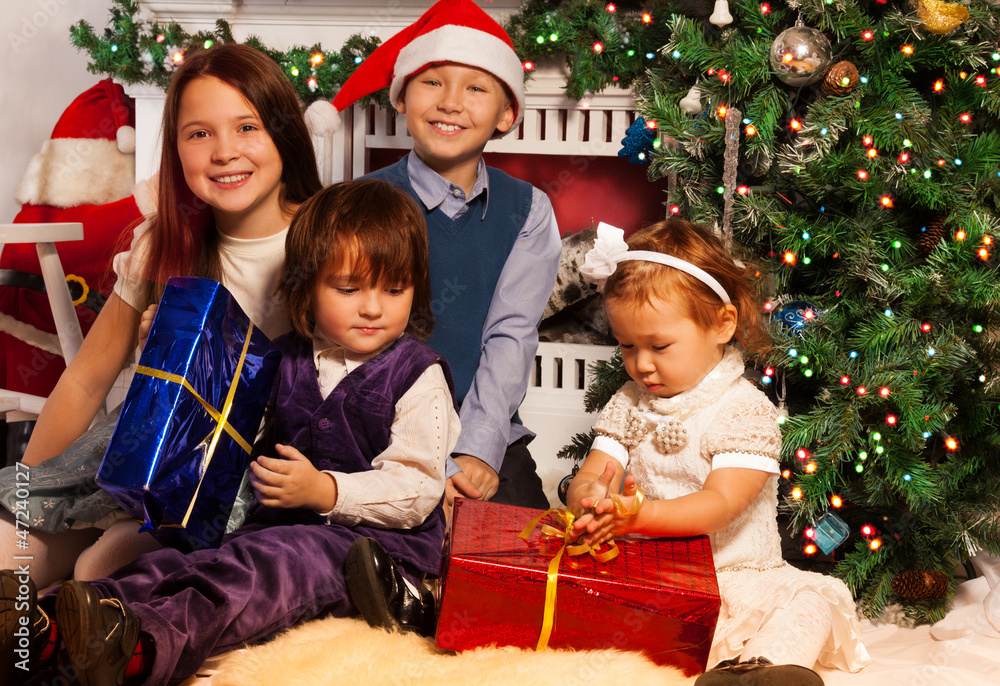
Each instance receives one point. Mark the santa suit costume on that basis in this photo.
(84, 173)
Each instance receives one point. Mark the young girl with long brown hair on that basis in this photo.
(236, 162)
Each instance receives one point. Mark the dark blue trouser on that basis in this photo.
(261, 580)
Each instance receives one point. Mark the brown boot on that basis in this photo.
(99, 635)
(21, 640)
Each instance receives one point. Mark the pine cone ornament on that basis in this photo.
(924, 584)
(840, 79)
(932, 231)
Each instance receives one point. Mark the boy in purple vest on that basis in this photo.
(361, 422)
(494, 249)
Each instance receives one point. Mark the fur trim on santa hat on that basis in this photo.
(462, 45)
(77, 171)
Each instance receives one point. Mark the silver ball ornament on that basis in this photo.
(800, 55)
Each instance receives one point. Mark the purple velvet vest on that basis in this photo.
(349, 429)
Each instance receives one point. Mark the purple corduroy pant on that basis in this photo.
(261, 580)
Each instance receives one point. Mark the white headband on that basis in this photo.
(610, 249)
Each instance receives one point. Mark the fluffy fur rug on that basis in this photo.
(347, 652)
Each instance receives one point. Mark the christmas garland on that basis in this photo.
(136, 48)
(601, 43)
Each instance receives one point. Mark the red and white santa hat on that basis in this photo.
(89, 159)
(456, 31)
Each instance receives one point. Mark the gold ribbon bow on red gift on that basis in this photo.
(566, 519)
(221, 417)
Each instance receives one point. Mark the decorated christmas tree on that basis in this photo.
(853, 149)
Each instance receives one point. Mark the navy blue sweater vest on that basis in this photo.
(467, 255)
(348, 430)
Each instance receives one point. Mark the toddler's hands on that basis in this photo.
(597, 490)
(292, 482)
(586, 497)
(145, 324)
(608, 520)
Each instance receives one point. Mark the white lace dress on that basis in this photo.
(671, 445)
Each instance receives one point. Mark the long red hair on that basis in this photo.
(181, 240)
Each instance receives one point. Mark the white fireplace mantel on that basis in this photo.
(304, 22)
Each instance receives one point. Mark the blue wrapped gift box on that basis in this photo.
(187, 426)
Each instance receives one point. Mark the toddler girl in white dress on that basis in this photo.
(703, 444)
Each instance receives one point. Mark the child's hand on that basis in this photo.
(145, 324)
(292, 482)
(476, 480)
(587, 494)
(607, 519)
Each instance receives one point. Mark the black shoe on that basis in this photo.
(99, 636)
(381, 595)
(758, 671)
(21, 644)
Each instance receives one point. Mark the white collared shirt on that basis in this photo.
(408, 478)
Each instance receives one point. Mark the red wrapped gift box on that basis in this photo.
(659, 596)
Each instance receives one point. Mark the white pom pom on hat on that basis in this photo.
(322, 118)
(456, 31)
(125, 138)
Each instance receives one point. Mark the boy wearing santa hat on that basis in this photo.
(494, 248)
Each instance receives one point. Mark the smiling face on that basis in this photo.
(665, 351)
(229, 160)
(452, 111)
(363, 318)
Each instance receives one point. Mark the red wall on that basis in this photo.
(584, 190)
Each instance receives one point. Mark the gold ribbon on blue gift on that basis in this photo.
(221, 418)
(566, 520)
